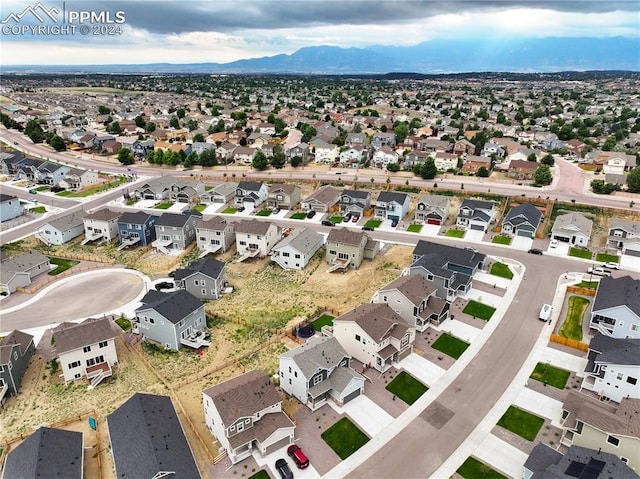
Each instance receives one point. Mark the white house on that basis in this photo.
(245, 415)
(392, 205)
(255, 238)
(62, 230)
(250, 194)
(87, 349)
(374, 335)
(613, 368)
(215, 235)
(475, 214)
(446, 161)
(296, 250)
(317, 371)
(625, 235)
(101, 225)
(572, 228)
(384, 156)
(325, 152)
(616, 307)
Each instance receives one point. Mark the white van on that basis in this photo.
(545, 312)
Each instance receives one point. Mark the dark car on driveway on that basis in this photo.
(283, 469)
(328, 223)
(311, 214)
(368, 228)
(535, 251)
(164, 285)
(298, 456)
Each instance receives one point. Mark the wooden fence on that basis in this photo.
(572, 343)
(582, 291)
(51, 279)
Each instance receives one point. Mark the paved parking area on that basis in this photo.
(521, 243)
(473, 236)
(367, 415)
(269, 462)
(540, 404)
(460, 330)
(562, 249)
(561, 359)
(422, 369)
(430, 230)
(630, 262)
(501, 455)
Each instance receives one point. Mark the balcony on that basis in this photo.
(196, 340)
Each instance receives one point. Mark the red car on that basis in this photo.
(298, 456)
(355, 218)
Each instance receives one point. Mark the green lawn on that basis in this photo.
(298, 216)
(522, 423)
(38, 209)
(208, 188)
(163, 206)
(324, 320)
(406, 387)
(124, 324)
(450, 345)
(572, 326)
(414, 228)
(545, 373)
(93, 190)
(261, 474)
(344, 438)
(62, 264)
(373, 223)
(264, 213)
(588, 284)
(229, 211)
(455, 233)
(479, 310)
(42, 188)
(606, 258)
(502, 239)
(200, 207)
(474, 469)
(580, 253)
(336, 219)
(501, 270)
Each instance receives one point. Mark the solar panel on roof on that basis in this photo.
(575, 469)
(593, 469)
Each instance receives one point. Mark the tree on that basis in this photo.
(633, 180)
(548, 160)
(191, 159)
(296, 161)
(103, 110)
(150, 127)
(198, 138)
(192, 124)
(125, 156)
(278, 159)
(34, 131)
(483, 172)
(259, 161)
(543, 175)
(174, 122)
(181, 113)
(402, 131)
(532, 157)
(57, 143)
(140, 123)
(114, 128)
(208, 157)
(429, 169)
(600, 187)
(393, 167)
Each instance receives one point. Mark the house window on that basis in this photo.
(86, 349)
(635, 327)
(285, 254)
(317, 379)
(295, 373)
(204, 291)
(247, 421)
(579, 426)
(152, 321)
(196, 282)
(203, 283)
(613, 440)
(102, 344)
(243, 243)
(74, 364)
(15, 355)
(358, 337)
(232, 428)
(619, 376)
(297, 256)
(632, 380)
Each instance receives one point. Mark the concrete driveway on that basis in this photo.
(522, 243)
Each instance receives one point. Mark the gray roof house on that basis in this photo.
(322, 200)
(16, 349)
(19, 271)
(354, 201)
(175, 231)
(475, 214)
(245, 415)
(220, 194)
(522, 220)
(392, 205)
(432, 209)
(255, 238)
(205, 279)
(215, 235)
(347, 248)
(616, 307)
(46, 453)
(625, 235)
(450, 268)
(147, 439)
(572, 228)
(578, 462)
(250, 194)
(171, 319)
(296, 250)
(63, 229)
(613, 368)
(10, 207)
(319, 370)
(284, 196)
(101, 225)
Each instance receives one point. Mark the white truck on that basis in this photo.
(545, 312)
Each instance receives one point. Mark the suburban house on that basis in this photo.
(607, 427)
(381, 138)
(255, 238)
(171, 319)
(63, 229)
(355, 202)
(296, 250)
(347, 248)
(19, 271)
(473, 163)
(464, 147)
(51, 173)
(625, 235)
(414, 299)
(354, 156)
(148, 440)
(48, 452)
(522, 220)
(322, 200)
(77, 179)
(155, 189)
(244, 154)
(572, 228)
(383, 156)
(301, 150)
(215, 235)
(250, 194)
(186, 191)
(175, 231)
(522, 169)
(325, 152)
(613, 368)
(16, 350)
(445, 161)
(10, 207)
(220, 194)
(245, 414)
(577, 462)
(136, 229)
(284, 196)
(86, 349)
(101, 225)
(476, 214)
(205, 278)
(392, 205)
(413, 158)
(374, 335)
(356, 139)
(616, 307)
(450, 268)
(432, 209)
(319, 370)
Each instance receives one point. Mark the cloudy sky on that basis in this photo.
(223, 31)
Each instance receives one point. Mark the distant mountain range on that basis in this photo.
(432, 57)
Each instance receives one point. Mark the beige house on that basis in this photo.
(321, 200)
(284, 196)
(255, 238)
(347, 248)
(215, 235)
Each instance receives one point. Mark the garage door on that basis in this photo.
(393, 217)
(217, 199)
(351, 396)
(433, 221)
(280, 444)
(524, 233)
(477, 227)
(631, 252)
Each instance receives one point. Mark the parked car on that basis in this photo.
(241, 208)
(275, 211)
(283, 469)
(164, 285)
(311, 214)
(368, 228)
(347, 218)
(553, 243)
(328, 223)
(535, 251)
(355, 218)
(611, 264)
(599, 271)
(394, 223)
(298, 456)
(545, 312)
(33, 192)
(469, 248)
